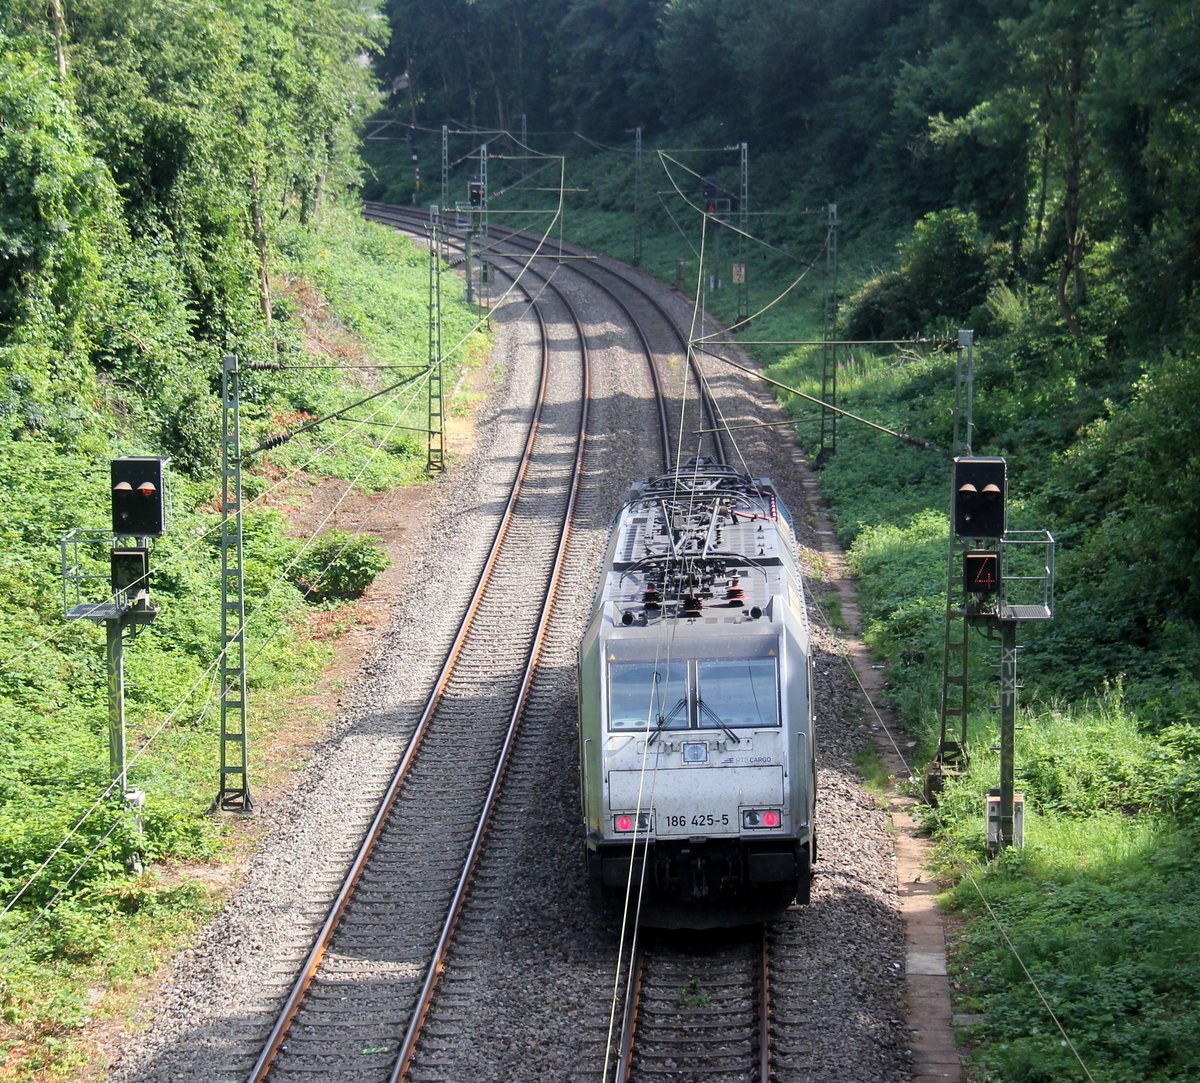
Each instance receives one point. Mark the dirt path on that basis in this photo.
(934, 1054)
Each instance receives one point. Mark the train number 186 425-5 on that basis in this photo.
(699, 819)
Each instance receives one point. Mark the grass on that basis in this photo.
(694, 995)
(1078, 948)
(1097, 907)
(76, 965)
(48, 999)
(870, 766)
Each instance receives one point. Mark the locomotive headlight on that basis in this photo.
(625, 822)
(761, 817)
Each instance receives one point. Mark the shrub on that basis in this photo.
(191, 435)
(339, 565)
(943, 276)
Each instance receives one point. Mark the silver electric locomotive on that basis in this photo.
(695, 712)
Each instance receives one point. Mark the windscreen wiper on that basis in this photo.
(707, 712)
(669, 717)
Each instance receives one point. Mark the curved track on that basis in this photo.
(360, 1002)
(404, 980)
(695, 409)
(527, 985)
(702, 1008)
(372, 972)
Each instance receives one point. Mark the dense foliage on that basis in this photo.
(177, 181)
(1036, 168)
(173, 186)
(152, 152)
(1030, 170)
(1093, 907)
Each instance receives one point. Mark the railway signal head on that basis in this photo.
(130, 568)
(980, 497)
(475, 192)
(981, 573)
(138, 505)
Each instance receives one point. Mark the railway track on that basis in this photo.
(362, 998)
(421, 978)
(698, 1011)
(719, 1015)
(359, 1001)
(662, 341)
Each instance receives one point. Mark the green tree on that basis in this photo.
(942, 280)
(1124, 507)
(1146, 110)
(609, 79)
(479, 62)
(1039, 92)
(57, 209)
(955, 61)
(700, 74)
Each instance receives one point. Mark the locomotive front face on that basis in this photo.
(696, 738)
(698, 771)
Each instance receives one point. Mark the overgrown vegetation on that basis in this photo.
(179, 183)
(1029, 171)
(175, 183)
(1106, 762)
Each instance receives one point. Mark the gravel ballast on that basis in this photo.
(535, 1007)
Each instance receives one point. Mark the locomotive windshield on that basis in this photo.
(741, 692)
(644, 695)
(699, 694)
